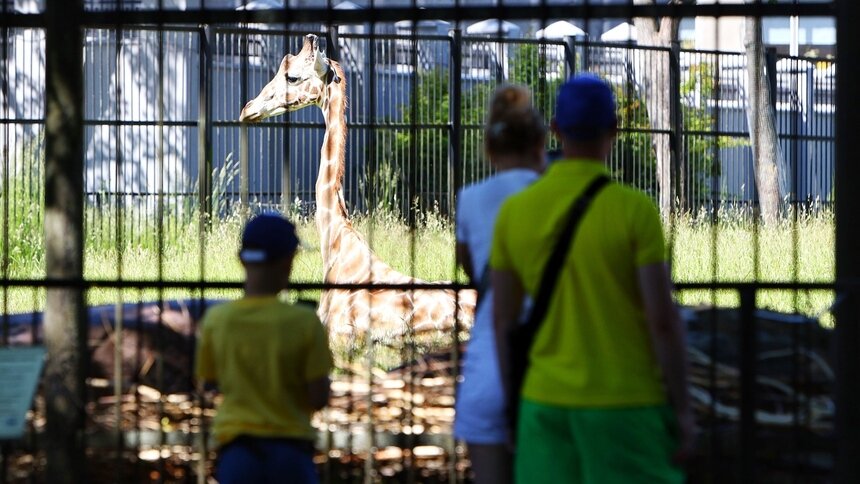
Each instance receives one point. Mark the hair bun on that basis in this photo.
(508, 99)
(513, 123)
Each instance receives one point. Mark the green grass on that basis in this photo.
(801, 250)
(735, 250)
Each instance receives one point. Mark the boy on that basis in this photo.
(271, 362)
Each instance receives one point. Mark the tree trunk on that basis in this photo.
(767, 156)
(65, 322)
(653, 69)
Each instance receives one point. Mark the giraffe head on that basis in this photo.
(300, 82)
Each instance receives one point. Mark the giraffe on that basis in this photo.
(309, 78)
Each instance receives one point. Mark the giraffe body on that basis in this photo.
(306, 79)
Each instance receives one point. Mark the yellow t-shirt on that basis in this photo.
(262, 353)
(593, 349)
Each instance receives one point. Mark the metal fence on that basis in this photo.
(762, 385)
(163, 148)
(145, 148)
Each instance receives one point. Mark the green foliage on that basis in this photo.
(22, 208)
(697, 88)
(529, 68)
(634, 146)
(379, 186)
(418, 157)
(423, 152)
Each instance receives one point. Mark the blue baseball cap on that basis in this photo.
(585, 108)
(268, 237)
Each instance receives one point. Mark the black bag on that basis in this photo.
(521, 337)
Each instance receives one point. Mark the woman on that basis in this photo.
(514, 141)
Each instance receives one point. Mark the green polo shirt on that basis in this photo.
(593, 349)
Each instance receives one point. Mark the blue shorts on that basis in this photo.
(248, 459)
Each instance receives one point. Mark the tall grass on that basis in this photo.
(125, 244)
(734, 249)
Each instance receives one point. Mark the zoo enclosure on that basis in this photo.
(164, 451)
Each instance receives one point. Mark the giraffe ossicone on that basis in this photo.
(310, 79)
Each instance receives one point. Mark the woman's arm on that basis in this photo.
(464, 260)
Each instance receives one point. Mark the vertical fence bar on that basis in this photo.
(4, 189)
(455, 112)
(847, 241)
(455, 160)
(244, 170)
(204, 128)
(570, 55)
(676, 138)
(748, 358)
(770, 59)
(65, 324)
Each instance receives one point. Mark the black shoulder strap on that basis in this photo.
(559, 253)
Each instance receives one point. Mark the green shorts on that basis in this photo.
(599, 446)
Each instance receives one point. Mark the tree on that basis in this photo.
(655, 76)
(410, 171)
(767, 155)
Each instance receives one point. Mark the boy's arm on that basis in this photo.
(507, 304)
(464, 260)
(669, 340)
(318, 366)
(204, 362)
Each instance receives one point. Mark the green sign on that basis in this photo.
(20, 369)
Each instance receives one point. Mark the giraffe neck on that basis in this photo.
(330, 210)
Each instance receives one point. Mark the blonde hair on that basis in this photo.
(513, 124)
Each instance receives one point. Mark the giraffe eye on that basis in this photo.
(292, 80)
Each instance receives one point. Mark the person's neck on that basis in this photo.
(262, 286)
(507, 163)
(261, 292)
(584, 155)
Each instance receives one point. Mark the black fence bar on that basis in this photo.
(455, 88)
(749, 356)
(204, 126)
(847, 242)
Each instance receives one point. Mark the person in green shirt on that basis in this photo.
(270, 360)
(605, 398)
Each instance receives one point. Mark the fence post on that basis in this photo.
(847, 337)
(455, 89)
(64, 323)
(676, 137)
(332, 45)
(244, 171)
(770, 71)
(204, 129)
(748, 358)
(570, 54)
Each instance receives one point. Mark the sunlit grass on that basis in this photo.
(800, 248)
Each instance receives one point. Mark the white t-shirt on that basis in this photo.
(480, 401)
